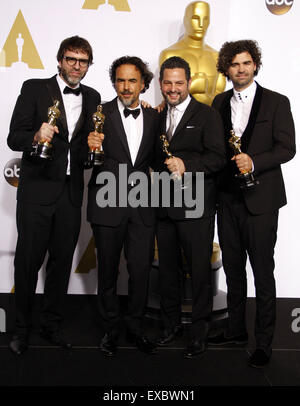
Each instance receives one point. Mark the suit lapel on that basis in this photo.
(146, 132)
(163, 120)
(55, 94)
(189, 111)
(80, 121)
(246, 137)
(117, 123)
(225, 111)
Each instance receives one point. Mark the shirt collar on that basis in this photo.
(182, 106)
(246, 94)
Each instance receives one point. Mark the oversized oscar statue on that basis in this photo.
(207, 82)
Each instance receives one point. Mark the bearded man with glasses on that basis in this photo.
(50, 192)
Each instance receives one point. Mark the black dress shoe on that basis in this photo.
(169, 335)
(259, 359)
(222, 339)
(108, 346)
(55, 337)
(194, 349)
(18, 344)
(142, 343)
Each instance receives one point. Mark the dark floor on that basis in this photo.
(84, 365)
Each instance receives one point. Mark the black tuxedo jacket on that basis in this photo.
(42, 181)
(116, 151)
(269, 139)
(199, 141)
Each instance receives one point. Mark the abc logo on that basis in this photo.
(12, 171)
(279, 7)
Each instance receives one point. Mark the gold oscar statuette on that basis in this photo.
(45, 149)
(246, 178)
(165, 148)
(96, 155)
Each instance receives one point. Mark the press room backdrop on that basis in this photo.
(143, 28)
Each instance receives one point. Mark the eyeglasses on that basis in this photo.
(72, 61)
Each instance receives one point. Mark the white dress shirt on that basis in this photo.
(241, 105)
(178, 113)
(73, 107)
(133, 129)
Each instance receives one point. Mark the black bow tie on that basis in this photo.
(76, 91)
(135, 113)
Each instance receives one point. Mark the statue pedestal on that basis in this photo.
(219, 299)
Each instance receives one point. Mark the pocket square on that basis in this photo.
(190, 126)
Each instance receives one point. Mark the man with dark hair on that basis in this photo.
(172, 63)
(196, 142)
(146, 75)
(129, 134)
(247, 217)
(50, 191)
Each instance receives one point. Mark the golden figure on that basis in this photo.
(245, 177)
(207, 82)
(235, 143)
(53, 113)
(96, 155)
(45, 149)
(165, 146)
(98, 119)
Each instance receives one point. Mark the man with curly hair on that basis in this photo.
(129, 137)
(248, 216)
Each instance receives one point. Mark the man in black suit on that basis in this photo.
(248, 217)
(197, 144)
(50, 192)
(129, 138)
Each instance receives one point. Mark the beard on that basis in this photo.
(243, 82)
(127, 102)
(174, 103)
(70, 80)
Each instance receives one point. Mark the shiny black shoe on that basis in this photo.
(259, 359)
(55, 338)
(107, 346)
(222, 339)
(18, 344)
(169, 336)
(195, 349)
(142, 343)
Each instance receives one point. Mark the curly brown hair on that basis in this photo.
(230, 49)
(146, 75)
